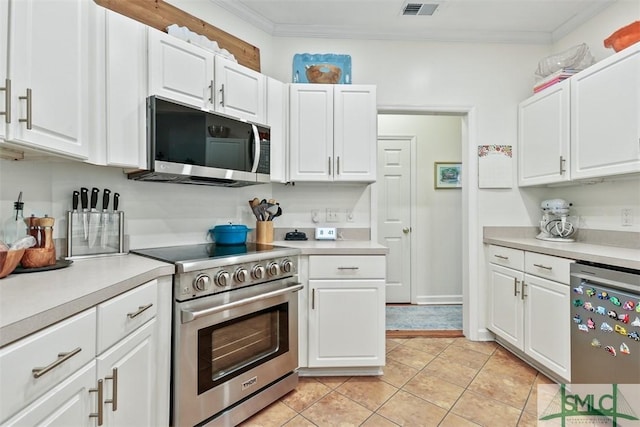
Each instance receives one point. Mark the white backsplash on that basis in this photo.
(160, 214)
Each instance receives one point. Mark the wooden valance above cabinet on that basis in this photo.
(159, 14)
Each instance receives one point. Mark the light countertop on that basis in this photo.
(32, 301)
(627, 257)
(335, 247)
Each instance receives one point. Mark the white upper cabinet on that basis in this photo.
(543, 137)
(355, 133)
(48, 69)
(4, 52)
(120, 91)
(605, 114)
(191, 75)
(180, 71)
(333, 132)
(277, 109)
(311, 134)
(240, 91)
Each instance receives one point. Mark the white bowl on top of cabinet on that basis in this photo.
(529, 307)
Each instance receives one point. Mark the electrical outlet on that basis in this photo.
(315, 216)
(332, 215)
(349, 215)
(626, 216)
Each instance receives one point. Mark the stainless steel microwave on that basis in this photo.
(190, 146)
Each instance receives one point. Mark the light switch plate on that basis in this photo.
(326, 233)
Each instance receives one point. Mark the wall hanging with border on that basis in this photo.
(447, 175)
(321, 68)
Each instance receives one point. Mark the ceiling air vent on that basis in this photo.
(419, 9)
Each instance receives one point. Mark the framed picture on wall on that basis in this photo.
(447, 175)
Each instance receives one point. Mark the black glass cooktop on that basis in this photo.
(202, 251)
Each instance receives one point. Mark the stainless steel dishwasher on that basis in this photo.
(605, 324)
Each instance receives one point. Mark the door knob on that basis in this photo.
(406, 230)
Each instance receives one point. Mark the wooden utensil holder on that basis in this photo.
(264, 232)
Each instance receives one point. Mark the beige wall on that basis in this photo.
(437, 228)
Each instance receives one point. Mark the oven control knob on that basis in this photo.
(241, 274)
(257, 272)
(201, 282)
(273, 269)
(287, 266)
(222, 279)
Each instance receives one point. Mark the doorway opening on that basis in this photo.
(466, 229)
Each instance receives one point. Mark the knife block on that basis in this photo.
(102, 234)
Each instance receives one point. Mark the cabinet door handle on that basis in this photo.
(543, 266)
(313, 299)
(28, 120)
(222, 95)
(212, 95)
(139, 311)
(62, 357)
(562, 162)
(515, 287)
(523, 295)
(501, 257)
(329, 166)
(114, 394)
(100, 414)
(7, 101)
(338, 166)
(348, 268)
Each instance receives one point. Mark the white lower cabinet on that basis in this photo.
(346, 318)
(530, 305)
(68, 404)
(125, 383)
(129, 386)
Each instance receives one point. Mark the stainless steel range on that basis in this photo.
(235, 330)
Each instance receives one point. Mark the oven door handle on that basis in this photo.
(189, 316)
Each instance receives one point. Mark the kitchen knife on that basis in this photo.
(104, 234)
(94, 220)
(84, 198)
(75, 200)
(115, 218)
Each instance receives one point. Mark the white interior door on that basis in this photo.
(394, 214)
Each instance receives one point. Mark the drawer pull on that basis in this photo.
(543, 266)
(114, 395)
(100, 414)
(501, 257)
(62, 357)
(348, 268)
(140, 310)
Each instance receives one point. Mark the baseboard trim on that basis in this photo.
(454, 333)
(440, 299)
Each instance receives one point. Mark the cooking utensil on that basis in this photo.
(271, 211)
(104, 236)
(84, 197)
(94, 219)
(230, 234)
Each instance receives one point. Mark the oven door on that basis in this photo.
(230, 346)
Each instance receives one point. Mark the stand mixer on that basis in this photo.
(556, 225)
